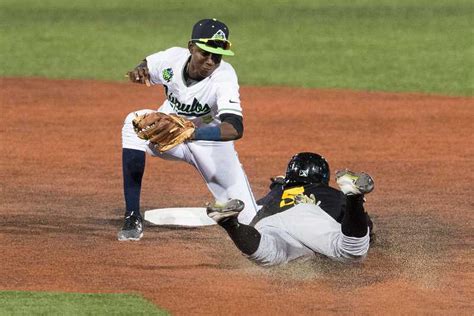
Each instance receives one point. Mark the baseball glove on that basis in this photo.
(162, 130)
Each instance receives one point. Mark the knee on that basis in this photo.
(129, 137)
(271, 251)
(129, 118)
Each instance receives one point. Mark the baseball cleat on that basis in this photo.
(352, 183)
(132, 229)
(220, 211)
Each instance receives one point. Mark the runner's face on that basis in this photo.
(202, 63)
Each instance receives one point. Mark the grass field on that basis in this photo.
(36, 303)
(402, 45)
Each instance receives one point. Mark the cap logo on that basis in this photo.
(303, 173)
(219, 35)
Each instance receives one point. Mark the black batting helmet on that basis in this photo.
(307, 168)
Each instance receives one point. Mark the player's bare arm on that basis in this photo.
(232, 127)
(228, 132)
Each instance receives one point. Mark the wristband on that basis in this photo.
(207, 133)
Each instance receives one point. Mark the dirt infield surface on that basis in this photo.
(61, 201)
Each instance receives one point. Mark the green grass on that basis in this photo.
(40, 303)
(389, 45)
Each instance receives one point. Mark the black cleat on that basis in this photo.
(132, 229)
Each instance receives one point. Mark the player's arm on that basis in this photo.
(231, 128)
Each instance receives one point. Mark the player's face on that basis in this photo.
(202, 63)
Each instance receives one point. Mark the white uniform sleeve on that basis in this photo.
(154, 62)
(227, 92)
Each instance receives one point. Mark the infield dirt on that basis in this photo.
(61, 201)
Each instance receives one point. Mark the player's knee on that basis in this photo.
(129, 118)
(130, 139)
(270, 252)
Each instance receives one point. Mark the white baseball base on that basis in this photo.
(179, 216)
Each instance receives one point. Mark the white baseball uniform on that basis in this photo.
(202, 103)
(303, 230)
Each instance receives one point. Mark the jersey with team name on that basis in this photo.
(201, 102)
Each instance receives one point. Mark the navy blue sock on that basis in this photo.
(133, 167)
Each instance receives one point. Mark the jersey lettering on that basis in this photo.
(288, 196)
(195, 109)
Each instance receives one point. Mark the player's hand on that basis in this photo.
(139, 75)
(304, 199)
(278, 180)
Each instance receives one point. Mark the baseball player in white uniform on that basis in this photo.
(204, 89)
(302, 215)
